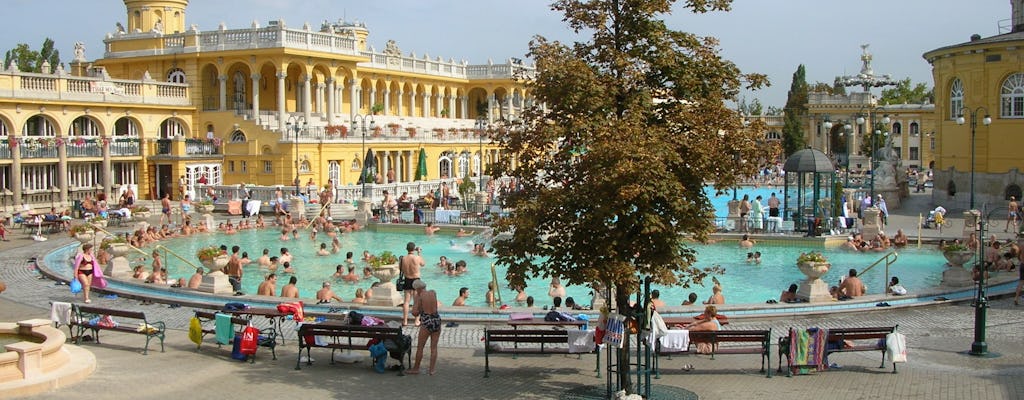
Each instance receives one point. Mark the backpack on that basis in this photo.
(398, 348)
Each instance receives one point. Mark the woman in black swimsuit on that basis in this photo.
(85, 263)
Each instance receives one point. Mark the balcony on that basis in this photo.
(188, 147)
(100, 89)
(125, 147)
(84, 147)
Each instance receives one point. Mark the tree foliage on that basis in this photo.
(906, 92)
(796, 107)
(28, 60)
(612, 169)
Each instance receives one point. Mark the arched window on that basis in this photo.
(238, 137)
(304, 166)
(897, 128)
(463, 170)
(176, 75)
(38, 125)
(83, 126)
(1012, 97)
(444, 165)
(956, 98)
(3, 128)
(126, 127)
(915, 129)
(1012, 191)
(171, 128)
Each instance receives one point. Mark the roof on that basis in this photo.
(1004, 38)
(808, 160)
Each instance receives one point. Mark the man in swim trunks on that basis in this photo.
(1011, 216)
(430, 325)
(410, 266)
(165, 208)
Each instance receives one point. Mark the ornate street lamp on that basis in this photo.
(481, 126)
(875, 135)
(294, 126)
(974, 127)
(359, 122)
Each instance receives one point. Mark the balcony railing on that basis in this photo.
(125, 147)
(163, 147)
(35, 151)
(101, 89)
(5, 149)
(88, 149)
(202, 147)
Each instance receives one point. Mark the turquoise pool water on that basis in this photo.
(742, 282)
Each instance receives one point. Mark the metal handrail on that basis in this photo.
(165, 249)
(144, 254)
(889, 259)
(313, 218)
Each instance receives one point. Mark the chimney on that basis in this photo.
(1017, 20)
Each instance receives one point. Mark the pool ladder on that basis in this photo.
(889, 259)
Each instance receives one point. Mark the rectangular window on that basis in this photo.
(268, 167)
(231, 166)
(125, 173)
(245, 166)
(899, 153)
(915, 154)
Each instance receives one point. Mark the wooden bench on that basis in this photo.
(340, 336)
(542, 339)
(208, 321)
(86, 317)
(842, 340)
(758, 342)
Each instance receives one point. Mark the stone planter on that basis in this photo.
(85, 237)
(118, 266)
(119, 249)
(387, 294)
(204, 208)
(813, 289)
(955, 274)
(217, 263)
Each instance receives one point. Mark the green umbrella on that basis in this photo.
(369, 167)
(421, 166)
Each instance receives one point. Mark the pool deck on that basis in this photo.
(937, 337)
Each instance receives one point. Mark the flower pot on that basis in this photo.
(118, 249)
(814, 270)
(85, 237)
(957, 258)
(217, 263)
(385, 273)
(204, 208)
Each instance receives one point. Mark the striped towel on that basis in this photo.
(807, 349)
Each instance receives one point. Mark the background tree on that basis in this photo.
(906, 92)
(28, 60)
(796, 108)
(612, 170)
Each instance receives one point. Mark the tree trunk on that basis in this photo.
(622, 357)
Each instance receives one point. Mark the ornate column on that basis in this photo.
(440, 104)
(490, 107)
(426, 104)
(62, 169)
(321, 104)
(108, 181)
(256, 97)
(451, 106)
(412, 103)
(307, 102)
(401, 110)
(281, 118)
(372, 99)
(465, 107)
(223, 92)
(331, 101)
(16, 184)
(354, 98)
(387, 102)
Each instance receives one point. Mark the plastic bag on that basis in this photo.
(76, 286)
(250, 340)
(195, 331)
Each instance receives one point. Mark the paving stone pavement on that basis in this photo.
(937, 337)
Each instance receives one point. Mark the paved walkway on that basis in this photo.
(937, 336)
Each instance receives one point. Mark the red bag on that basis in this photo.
(250, 340)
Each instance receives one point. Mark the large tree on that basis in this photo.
(611, 171)
(796, 108)
(28, 60)
(906, 92)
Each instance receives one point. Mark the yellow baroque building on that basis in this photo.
(983, 77)
(264, 105)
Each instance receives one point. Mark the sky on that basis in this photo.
(771, 37)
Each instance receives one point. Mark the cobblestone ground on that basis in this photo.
(938, 336)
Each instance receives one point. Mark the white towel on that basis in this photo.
(253, 207)
(676, 340)
(60, 313)
(581, 341)
(658, 327)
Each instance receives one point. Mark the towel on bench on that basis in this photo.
(807, 349)
(676, 340)
(223, 328)
(60, 313)
(580, 341)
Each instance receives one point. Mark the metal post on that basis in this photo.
(362, 126)
(974, 127)
(979, 347)
(293, 124)
(480, 125)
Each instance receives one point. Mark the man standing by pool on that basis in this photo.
(410, 266)
(773, 206)
(234, 271)
(852, 285)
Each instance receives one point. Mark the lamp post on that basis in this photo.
(979, 347)
(974, 127)
(875, 133)
(359, 122)
(848, 133)
(827, 125)
(293, 125)
(481, 124)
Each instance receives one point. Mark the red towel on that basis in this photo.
(294, 308)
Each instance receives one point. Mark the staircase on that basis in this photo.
(339, 211)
